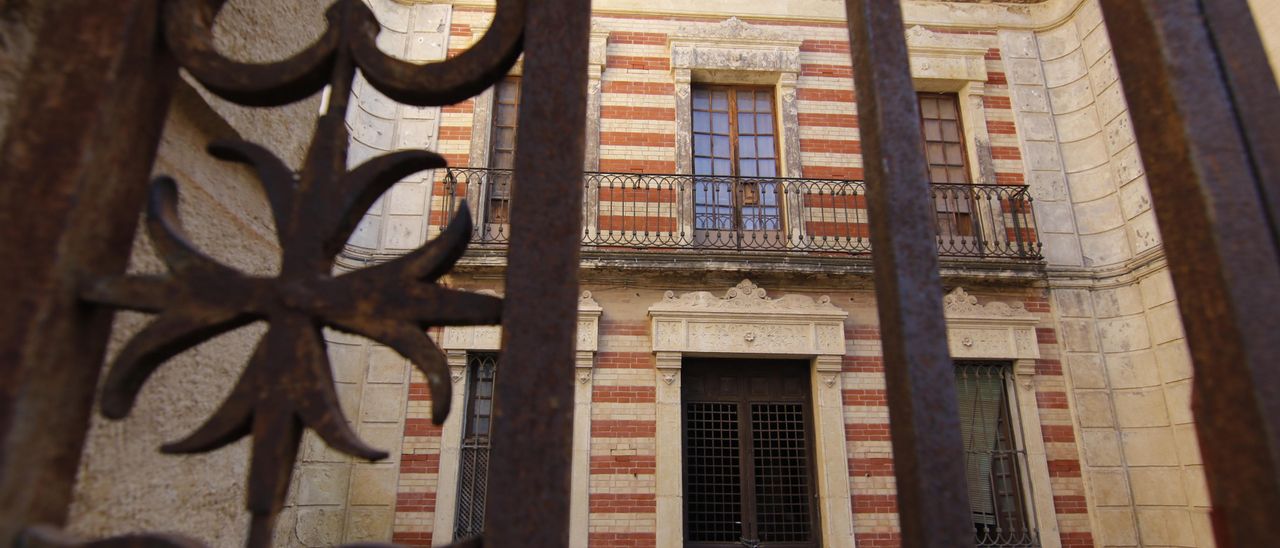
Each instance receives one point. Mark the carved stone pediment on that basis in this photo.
(489, 337)
(995, 330)
(746, 320)
(944, 56)
(733, 30)
(734, 45)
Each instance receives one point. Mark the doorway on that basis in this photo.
(748, 454)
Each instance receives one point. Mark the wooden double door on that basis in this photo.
(748, 454)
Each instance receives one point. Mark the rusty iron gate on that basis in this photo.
(70, 188)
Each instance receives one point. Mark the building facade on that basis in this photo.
(729, 381)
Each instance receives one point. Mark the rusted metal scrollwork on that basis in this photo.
(287, 386)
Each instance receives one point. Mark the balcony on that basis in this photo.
(687, 213)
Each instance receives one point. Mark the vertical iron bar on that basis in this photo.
(76, 158)
(1211, 187)
(923, 411)
(1015, 202)
(533, 407)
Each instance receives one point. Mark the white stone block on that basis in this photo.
(1132, 370)
(418, 134)
(1023, 71)
(1058, 42)
(1030, 99)
(1106, 248)
(1124, 334)
(1036, 126)
(1095, 45)
(1061, 249)
(1071, 96)
(1111, 103)
(1055, 217)
(1077, 125)
(1048, 185)
(366, 233)
(1085, 154)
(1068, 69)
(1135, 198)
(1091, 184)
(1018, 44)
(1099, 215)
(1141, 407)
(1149, 447)
(1043, 156)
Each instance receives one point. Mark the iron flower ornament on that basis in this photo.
(287, 385)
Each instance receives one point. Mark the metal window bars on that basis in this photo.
(1195, 77)
(995, 461)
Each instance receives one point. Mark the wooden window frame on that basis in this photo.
(740, 188)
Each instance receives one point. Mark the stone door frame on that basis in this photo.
(747, 323)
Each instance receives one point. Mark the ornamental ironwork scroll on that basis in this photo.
(287, 386)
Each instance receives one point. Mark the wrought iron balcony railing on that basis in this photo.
(643, 211)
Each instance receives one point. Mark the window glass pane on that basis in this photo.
(763, 102)
(746, 123)
(702, 166)
(723, 167)
(702, 121)
(501, 160)
(767, 168)
(746, 147)
(947, 109)
(720, 101)
(935, 154)
(957, 175)
(951, 132)
(955, 155)
(765, 147)
(747, 168)
(720, 122)
(929, 108)
(508, 90)
(764, 124)
(938, 175)
(702, 144)
(701, 99)
(932, 131)
(720, 146)
(504, 138)
(745, 101)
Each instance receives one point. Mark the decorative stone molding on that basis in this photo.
(489, 337)
(944, 56)
(747, 321)
(734, 45)
(995, 330)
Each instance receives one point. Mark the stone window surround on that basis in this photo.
(747, 323)
(735, 52)
(456, 342)
(998, 331)
(947, 63)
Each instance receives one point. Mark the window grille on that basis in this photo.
(747, 458)
(473, 465)
(995, 462)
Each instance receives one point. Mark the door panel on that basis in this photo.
(748, 454)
